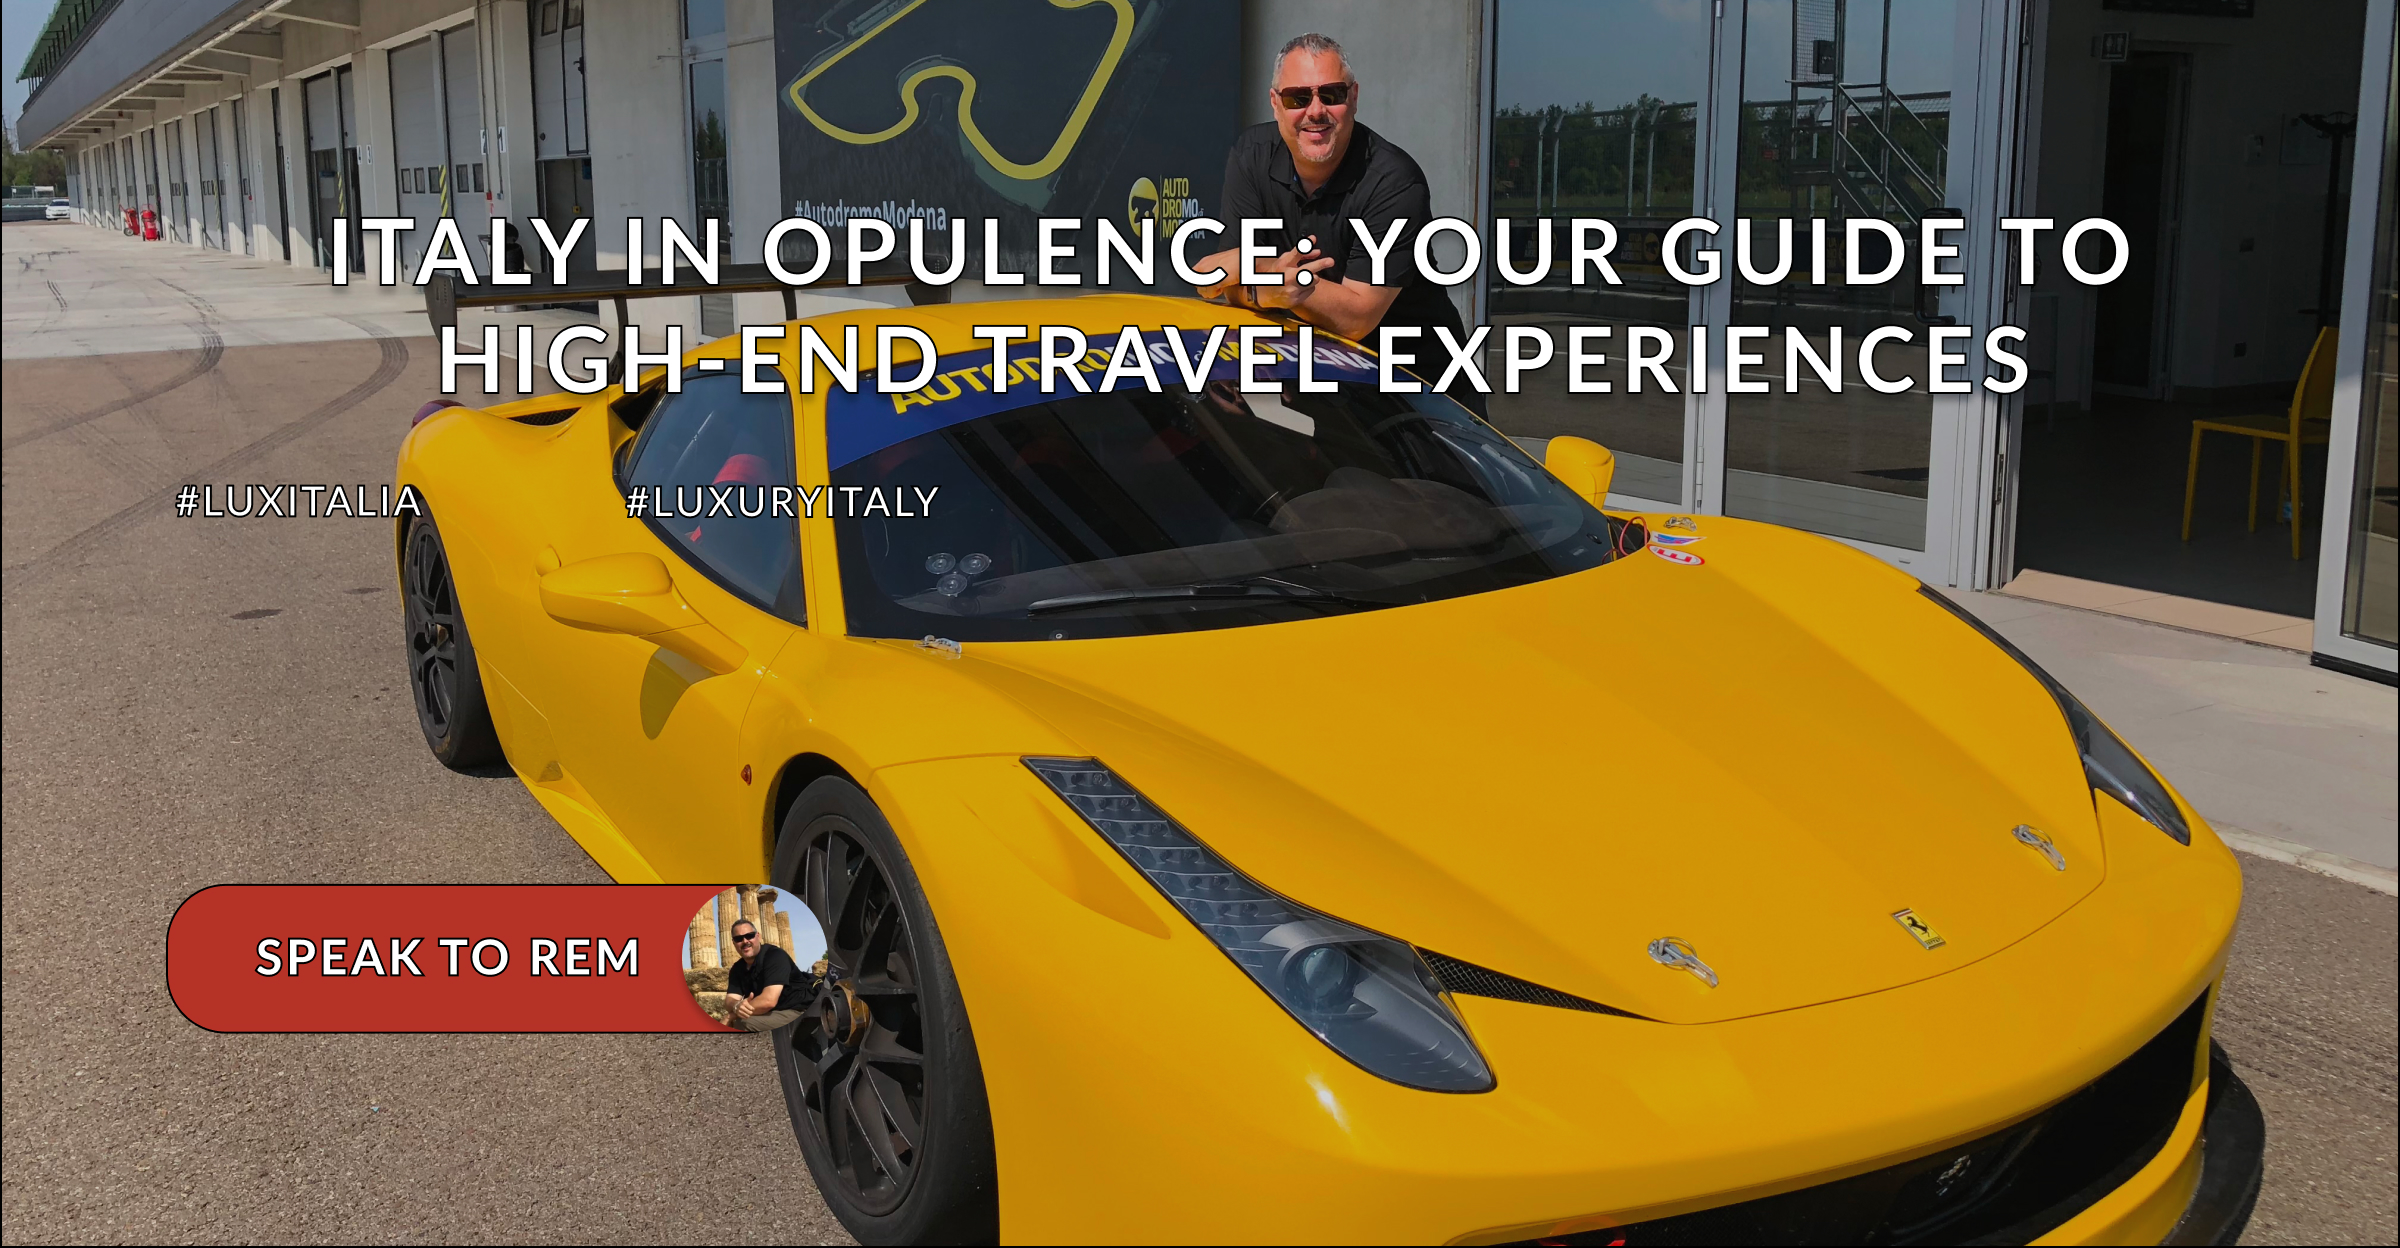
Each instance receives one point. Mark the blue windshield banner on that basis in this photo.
(860, 423)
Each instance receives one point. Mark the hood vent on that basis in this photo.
(1469, 980)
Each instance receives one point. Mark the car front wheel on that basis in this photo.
(880, 1075)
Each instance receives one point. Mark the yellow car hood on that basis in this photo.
(1767, 756)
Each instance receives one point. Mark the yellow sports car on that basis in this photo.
(1263, 807)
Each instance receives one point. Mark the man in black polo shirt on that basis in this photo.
(1316, 169)
(765, 989)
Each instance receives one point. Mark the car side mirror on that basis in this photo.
(632, 594)
(1583, 465)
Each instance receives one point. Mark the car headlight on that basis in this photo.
(1370, 998)
(2110, 764)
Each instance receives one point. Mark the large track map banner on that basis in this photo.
(962, 110)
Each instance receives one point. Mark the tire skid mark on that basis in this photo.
(395, 359)
(212, 349)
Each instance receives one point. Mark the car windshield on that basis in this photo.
(1135, 512)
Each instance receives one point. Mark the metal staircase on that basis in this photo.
(1876, 152)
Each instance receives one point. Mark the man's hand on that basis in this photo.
(739, 1006)
(1349, 307)
(1293, 292)
(1289, 295)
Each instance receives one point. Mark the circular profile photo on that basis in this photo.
(750, 964)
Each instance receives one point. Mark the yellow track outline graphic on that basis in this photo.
(1042, 168)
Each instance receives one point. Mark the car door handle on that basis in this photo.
(632, 594)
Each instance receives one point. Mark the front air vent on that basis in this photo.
(1470, 980)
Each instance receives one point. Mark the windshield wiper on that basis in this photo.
(1244, 587)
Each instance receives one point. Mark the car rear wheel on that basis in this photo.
(443, 680)
(880, 1075)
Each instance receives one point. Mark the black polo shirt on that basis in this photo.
(771, 966)
(1375, 183)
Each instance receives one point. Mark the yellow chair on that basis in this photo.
(2310, 421)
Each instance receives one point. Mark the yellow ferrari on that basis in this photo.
(1247, 805)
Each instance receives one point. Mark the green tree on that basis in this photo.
(41, 167)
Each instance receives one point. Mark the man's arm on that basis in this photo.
(1236, 198)
(1352, 307)
(769, 997)
(1349, 307)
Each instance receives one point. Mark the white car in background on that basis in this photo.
(59, 210)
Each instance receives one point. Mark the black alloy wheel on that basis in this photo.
(443, 680)
(880, 1073)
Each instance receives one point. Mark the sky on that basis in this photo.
(20, 23)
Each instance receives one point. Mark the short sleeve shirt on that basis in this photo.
(1376, 183)
(771, 966)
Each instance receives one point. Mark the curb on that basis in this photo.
(2274, 848)
(2136, 619)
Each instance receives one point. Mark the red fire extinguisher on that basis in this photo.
(150, 224)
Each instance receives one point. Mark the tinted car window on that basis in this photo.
(1136, 512)
(716, 466)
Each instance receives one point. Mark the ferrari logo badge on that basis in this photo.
(1682, 522)
(1918, 928)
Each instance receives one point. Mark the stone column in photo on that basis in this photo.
(749, 894)
(783, 933)
(729, 908)
(704, 936)
(767, 914)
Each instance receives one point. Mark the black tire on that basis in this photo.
(889, 1109)
(443, 680)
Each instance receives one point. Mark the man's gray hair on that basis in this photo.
(1320, 45)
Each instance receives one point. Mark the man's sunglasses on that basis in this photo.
(1335, 94)
(739, 937)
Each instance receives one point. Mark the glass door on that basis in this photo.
(1886, 113)
(1597, 112)
(1846, 115)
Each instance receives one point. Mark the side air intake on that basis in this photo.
(1470, 980)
